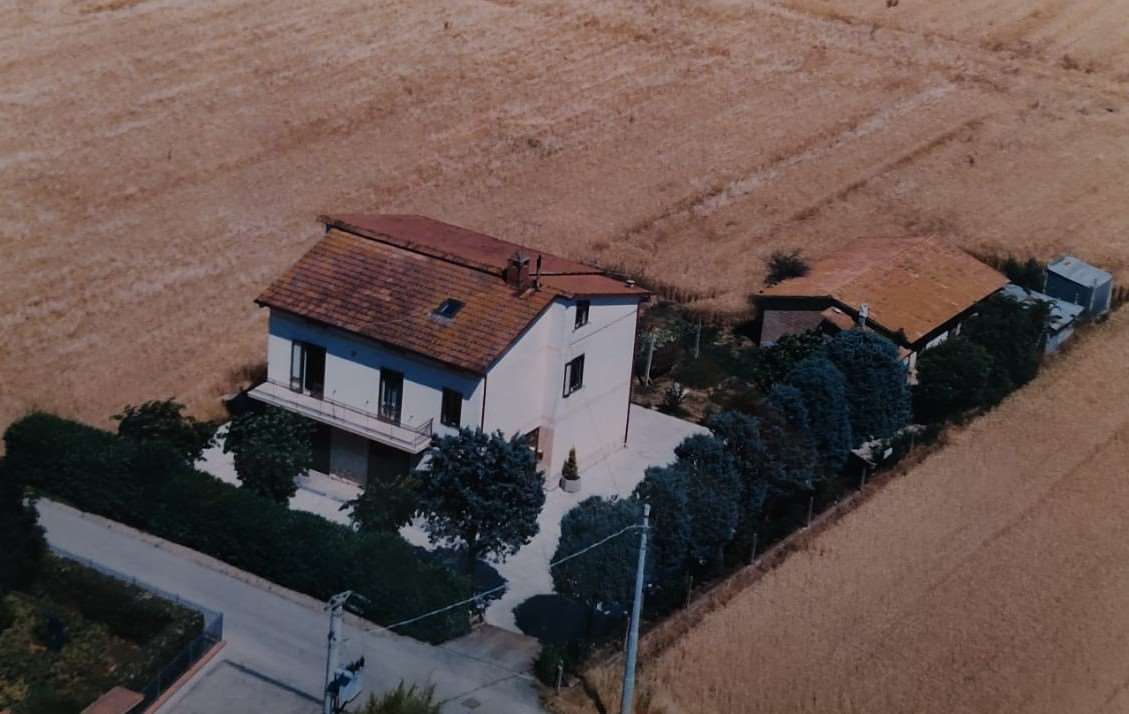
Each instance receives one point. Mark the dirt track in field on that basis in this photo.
(162, 160)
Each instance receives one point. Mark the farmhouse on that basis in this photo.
(915, 291)
(392, 329)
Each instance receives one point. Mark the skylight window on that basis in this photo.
(449, 308)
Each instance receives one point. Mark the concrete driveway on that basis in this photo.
(651, 442)
(278, 636)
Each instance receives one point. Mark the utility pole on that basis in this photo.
(336, 607)
(698, 340)
(628, 701)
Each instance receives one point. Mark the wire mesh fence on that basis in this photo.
(209, 637)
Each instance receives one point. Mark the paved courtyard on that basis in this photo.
(651, 441)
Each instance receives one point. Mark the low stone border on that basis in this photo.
(185, 678)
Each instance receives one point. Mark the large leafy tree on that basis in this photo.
(953, 377)
(604, 577)
(877, 391)
(481, 492)
(1012, 332)
(20, 533)
(272, 448)
(824, 392)
(165, 437)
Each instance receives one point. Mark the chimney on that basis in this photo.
(537, 275)
(517, 272)
(864, 312)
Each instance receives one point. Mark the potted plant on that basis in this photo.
(570, 473)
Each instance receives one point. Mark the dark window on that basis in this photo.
(452, 413)
(391, 395)
(307, 368)
(449, 308)
(574, 375)
(582, 313)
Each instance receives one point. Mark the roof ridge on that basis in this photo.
(408, 245)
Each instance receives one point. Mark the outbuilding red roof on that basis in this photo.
(383, 277)
(911, 284)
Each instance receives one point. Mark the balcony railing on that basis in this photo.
(371, 425)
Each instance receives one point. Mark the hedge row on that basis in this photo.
(92, 470)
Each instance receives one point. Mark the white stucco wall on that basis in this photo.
(352, 372)
(525, 386)
(523, 390)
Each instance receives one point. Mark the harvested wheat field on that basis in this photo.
(989, 578)
(162, 160)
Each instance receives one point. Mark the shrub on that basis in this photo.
(272, 448)
(785, 265)
(384, 505)
(672, 399)
(549, 659)
(481, 492)
(570, 470)
(952, 378)
(166, 438)
(1012, 332)
(701, 373)
(21, 538)
(766, 366)
(295, 549)
(877, 391)
(1030, 274)
(403, 700)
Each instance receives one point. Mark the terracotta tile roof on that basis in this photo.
(911, 284)
(384, 276)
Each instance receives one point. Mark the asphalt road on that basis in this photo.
(280, 635)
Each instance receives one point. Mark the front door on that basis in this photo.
(391, 395)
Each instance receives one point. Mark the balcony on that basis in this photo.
(412, 438)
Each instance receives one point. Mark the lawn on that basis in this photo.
(75, 633)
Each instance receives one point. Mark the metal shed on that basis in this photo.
(1060, 326)
(1076, 281)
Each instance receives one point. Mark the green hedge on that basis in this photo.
(90, 469)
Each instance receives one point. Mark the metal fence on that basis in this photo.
(208, 638)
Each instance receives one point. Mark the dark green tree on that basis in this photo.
(1030, 274)
(789, 460)
(664, 488)
(272, 448)
(166, 438)
(951, 378)
(789, 401)
(877, 390)
(713, 491)
(766, 366)
(782, 265)
(384, 505)
(606, 576)
(824, 392)
(481, 492)
(1013, 333)
(20, 533)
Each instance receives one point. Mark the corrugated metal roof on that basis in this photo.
(911, 284)
(1079, 271)
(1062, 312)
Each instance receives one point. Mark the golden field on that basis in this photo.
(162, 160)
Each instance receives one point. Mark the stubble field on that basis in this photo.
(162, 160)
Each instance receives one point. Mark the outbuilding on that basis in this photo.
(1076, 281)
(1063, 314)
